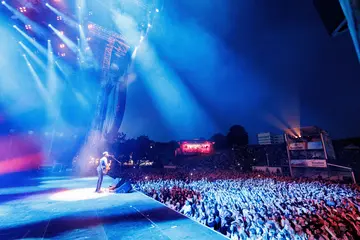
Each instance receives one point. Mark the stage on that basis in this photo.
(68, 208)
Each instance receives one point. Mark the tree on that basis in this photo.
(121, 137)
(143, 146)
(220, 141)
(129, 146)
(237, 136)
(117, 143)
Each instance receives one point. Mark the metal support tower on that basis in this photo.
(351, 9)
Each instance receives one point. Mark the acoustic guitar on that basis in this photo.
(107, 168)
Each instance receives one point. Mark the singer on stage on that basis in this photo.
(102, 169)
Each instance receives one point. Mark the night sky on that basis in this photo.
(254, 63)
(266, 65)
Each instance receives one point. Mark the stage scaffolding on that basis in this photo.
(351, 9)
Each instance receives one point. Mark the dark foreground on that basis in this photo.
(65, 208)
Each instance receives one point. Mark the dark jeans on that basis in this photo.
(100, 179)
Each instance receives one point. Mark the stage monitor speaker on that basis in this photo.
(332, 15)
(124, 188)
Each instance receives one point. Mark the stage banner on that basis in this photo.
(314, 145)
(297, 146)
(309, 163)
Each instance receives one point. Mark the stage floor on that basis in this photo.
(68, 208)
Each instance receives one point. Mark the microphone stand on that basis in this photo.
(113, 158)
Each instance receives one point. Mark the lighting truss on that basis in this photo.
(351, 10)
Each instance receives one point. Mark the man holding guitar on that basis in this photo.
(103, 169)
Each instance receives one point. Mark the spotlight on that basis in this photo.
(24, 55)
(80, 26)
(20, 42)
(14, 26)
(46, 4)
(3, 2)
(149, 25)
(157, 10)
(49, 40)
(49, 25)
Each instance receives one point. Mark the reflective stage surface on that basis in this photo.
(68, 208)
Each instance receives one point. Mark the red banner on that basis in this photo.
(297, 146)
(309, 163)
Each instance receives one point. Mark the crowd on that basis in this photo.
(255, 206)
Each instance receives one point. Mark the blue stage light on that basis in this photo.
(3, 2)
(49, 25)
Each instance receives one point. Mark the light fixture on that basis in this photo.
(22, 9)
